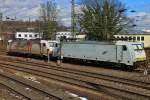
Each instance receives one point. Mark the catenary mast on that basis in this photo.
(73, 18)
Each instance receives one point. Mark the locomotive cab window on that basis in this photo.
(44, 44)
(56, 45)
(52, 44)
(137, 47)
(124, 48)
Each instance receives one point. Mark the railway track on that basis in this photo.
(29, 89)
(2, 51)
(125, 88)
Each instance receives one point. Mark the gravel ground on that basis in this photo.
(7, 94)
(111, 72)
(147, 53)
(52, 84)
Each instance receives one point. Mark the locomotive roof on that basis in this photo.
(102, 42)
(91, 42)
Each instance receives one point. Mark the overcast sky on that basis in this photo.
(23, 9)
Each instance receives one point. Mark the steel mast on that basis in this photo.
(73, 18)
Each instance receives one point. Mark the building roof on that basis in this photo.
(26, 33)
(136, 32)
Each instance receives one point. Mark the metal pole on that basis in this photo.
(73, 18)
(59, 59)
(48, 57)
(1, 20)
(145, 68)
(145, 72)
(106, 28)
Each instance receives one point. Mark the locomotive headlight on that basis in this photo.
(141, 59)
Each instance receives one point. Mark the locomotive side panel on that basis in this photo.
(22, 47)
(95, 52)
(18, 47)
(35, 48)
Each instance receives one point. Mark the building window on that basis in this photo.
(35, 35)
(19, 35)
(134, 38)
(142, 38)
(25, 35)
(126, 38)
(121, 37)
(130, 38)
(30, 35)
(114, 37)
(138, 38)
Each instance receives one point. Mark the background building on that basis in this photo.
(69, 35)
(143, 38)
(63, 34)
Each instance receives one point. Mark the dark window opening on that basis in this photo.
(138, 38)
(56, 45)
(36, 35)
(142, 38)
(19, 35)
(130, 38)
(44, 44)
(25, 35)
(126, 38)
(121, 38)
(134, 38)
(30, 35)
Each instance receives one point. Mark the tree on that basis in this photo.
(48, 22)
(101, 19)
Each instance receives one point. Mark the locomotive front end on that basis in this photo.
(139, 55)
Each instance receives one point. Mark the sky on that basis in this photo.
(142, 14)
(23, 9)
